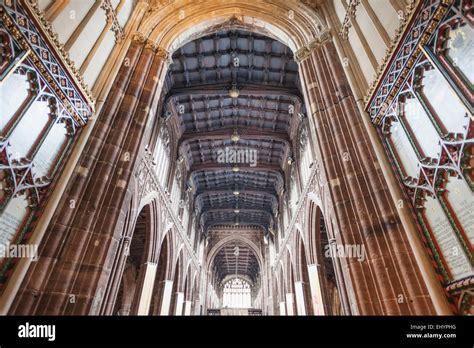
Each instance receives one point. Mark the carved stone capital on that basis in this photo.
(305, 51)
(139, 37)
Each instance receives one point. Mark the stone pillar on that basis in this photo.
(179, 303)
(299, 294)
(187, 307)
(282, 308)
(78, 254)
(147, 288)
(290, 304)
(166, 300)
(315, 287)
(364, 211)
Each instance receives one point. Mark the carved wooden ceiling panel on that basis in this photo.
(234, 92)
(236, 258)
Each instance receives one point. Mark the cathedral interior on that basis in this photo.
(236, 157)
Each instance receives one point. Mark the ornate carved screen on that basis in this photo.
(423, 107)
(43, 106)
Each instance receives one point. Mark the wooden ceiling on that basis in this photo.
(206, 119)
(236, 258)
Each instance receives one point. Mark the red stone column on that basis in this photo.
(79, 252)
(389, 280)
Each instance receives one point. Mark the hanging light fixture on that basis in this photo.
(235, 137)
(290, 160)
(235, 169)
(234, 91)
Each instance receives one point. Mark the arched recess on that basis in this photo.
(136, 270)
(247, 247)
(290, 285)
(177, 295)
(327, 288)
(303, 276)
(196, 305)
(161, 276)
(212, 253)
(187, 290)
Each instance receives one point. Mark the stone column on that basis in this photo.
(166, 300)
(147, 288)
(187, 307)
(363, 209)
(78, 252)
(315, 287)
(179, 303)
(290, 304)
(282, 308)
(299, 294)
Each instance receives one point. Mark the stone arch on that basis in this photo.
(177, 295)
(301, 265)
(175, 24)
(187, 287)
(330, 285)
(137, 255)
(281, 288)
(161, 278)
(290, 283)
(211, 255)
(215, 249)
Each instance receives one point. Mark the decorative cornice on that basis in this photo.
(349, 17)
(117, 29)
(404, 21)
(305, 51)
(62, 53)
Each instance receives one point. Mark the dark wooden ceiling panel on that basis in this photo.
(260, 118)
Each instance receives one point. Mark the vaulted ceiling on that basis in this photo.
(236, 258)
(238, 92)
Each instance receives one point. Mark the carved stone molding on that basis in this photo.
(349, 17)
(62, 53)
(305, 51)
(148, 183)
(149, 44)
(420, 32)
(113, 20)
(49, 62)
